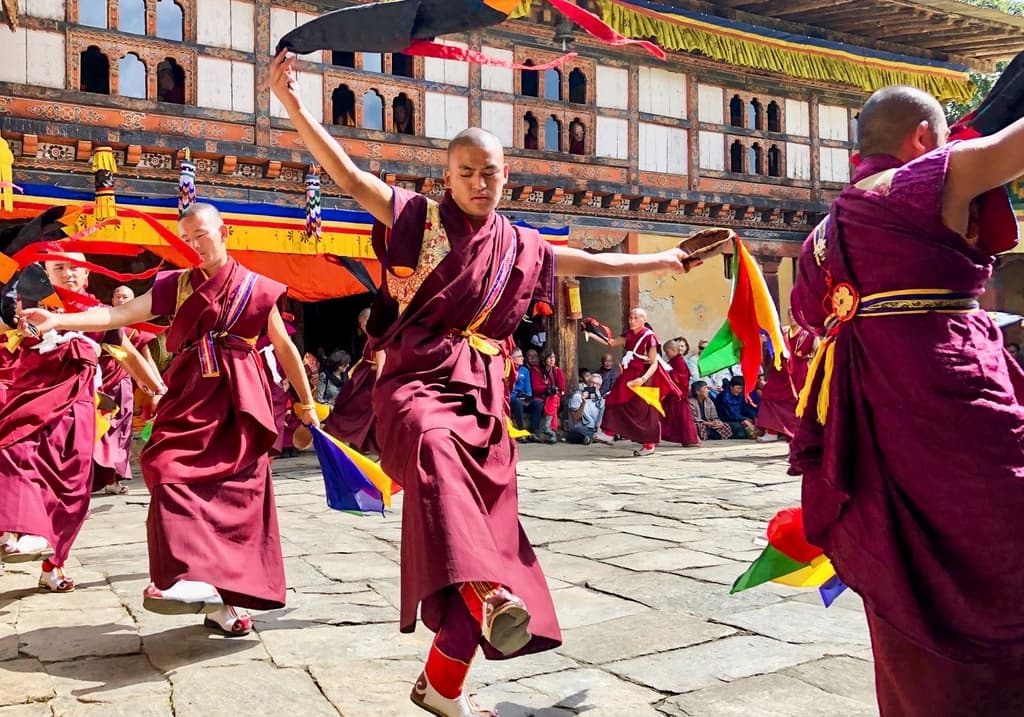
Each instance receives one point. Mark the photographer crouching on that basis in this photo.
(585, 409)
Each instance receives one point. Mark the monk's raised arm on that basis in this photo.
(102, 318)
(575, 262)
(368, 190)
(978, 165)
(144, 372)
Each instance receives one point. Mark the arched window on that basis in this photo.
(578, 87)
(530, 131)
(401, 112)
(577, 137)
(92, 13)
(736, 111)
(131, 77)
(774, 117)
(373, 110)
(373, 62)
(552, 134)
(774, 161)
(736, 157)
(170, 82)
(755, 120)
(131, 16)
(755, 159)
(552, 84)
(95, 71)
(170, 21)
(343, 59)
(528, 80)
(401, 65)
(343, 106)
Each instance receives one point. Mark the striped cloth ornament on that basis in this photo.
(313, 218)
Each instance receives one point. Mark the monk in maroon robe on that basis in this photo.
(917, 496)
(678, 425)
(112, 457)
(776, 413)
(625, 413)
(457, 278)
(48, 434)
(352, 419)
(212, 527)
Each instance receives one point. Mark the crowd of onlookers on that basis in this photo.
(544, 405)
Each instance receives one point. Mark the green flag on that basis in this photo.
(769, 565)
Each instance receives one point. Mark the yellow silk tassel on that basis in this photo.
(117, 352)
(514, 432)
(812, 372)
(826, 381)
(6, 176)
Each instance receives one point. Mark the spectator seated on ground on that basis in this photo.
(521, 397)
(609, 372)
(734, 409)
(585, 409)
(709, 426)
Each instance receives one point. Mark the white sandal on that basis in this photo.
(56, 581)
(26, 549)
(229, 622)
(185, 597)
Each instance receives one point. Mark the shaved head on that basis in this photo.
(66, 275)
(892, 115)
(475, 137)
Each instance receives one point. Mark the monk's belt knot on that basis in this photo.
(207, 353)
(477, 341)
(847, 304)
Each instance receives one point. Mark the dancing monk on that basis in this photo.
(917, 496)
(212, 527)
(457, 279)
(48, 433)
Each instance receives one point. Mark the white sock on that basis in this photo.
(191, 591)
(32, 544)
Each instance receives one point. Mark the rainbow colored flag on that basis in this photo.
(354, 483)
(789, 559)
(751, 314)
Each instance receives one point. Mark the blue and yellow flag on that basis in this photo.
(354, 483)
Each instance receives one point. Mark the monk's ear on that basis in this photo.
(504, 170)
(447, 178)
(922, 132)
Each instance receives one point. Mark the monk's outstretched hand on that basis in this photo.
(37, 321)
(283, 82)
(309, 418)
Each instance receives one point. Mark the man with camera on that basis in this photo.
(585, 409)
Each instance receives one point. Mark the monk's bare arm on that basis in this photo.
(575, 262)
(368, 190)
(380, 357)
(291, 362)
(144, 372)
(978, 165)
(102, 318)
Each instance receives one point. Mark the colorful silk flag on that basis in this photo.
(751, 314)
(651, 395)
(789, 559)
(354, 483)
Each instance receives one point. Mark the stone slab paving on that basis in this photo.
(639, 554)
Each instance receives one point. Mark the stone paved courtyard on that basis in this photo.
(639, 554)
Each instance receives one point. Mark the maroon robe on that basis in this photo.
(47, 434)
(625, 413)
(914, 486)
(113, 451)
(678, 426)
(352, 420)
(442, 412)
(212, 516)
(777, 411)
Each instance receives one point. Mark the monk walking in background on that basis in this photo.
(678, 425)
(352, 420)
(918, 501)
(457, 279)
(777, 412)
(625, 413)
(48, 431)
(112, 458)
(212, 527)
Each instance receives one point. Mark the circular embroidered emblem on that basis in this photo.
(844, 301)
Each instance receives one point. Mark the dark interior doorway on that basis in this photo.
(331, 325)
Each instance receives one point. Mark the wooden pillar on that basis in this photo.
(770, 269)
(566, 338)
(630, 285)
